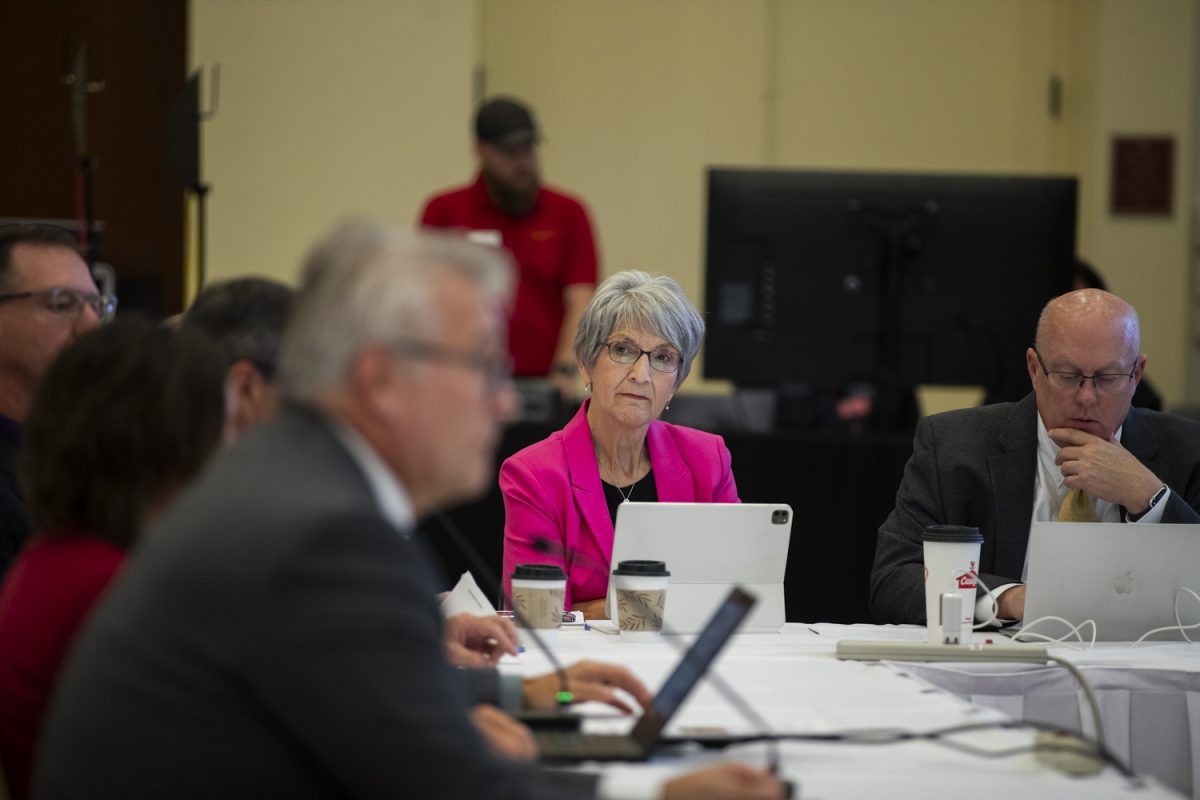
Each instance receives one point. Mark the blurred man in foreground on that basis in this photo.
(279, 636)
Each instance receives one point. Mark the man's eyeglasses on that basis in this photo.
(662, 359)
(68, 302)
(497, 369)
(1073, 381)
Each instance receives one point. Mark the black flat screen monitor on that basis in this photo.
(833, 278)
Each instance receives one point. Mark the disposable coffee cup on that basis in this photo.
(951, 565)
(641, 592)
(538, 594)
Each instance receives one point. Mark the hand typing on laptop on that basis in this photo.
(472, 641)
(588, 680)
(505, 736)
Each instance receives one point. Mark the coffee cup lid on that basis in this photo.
(646, 569)
(955, 534)
(538, 572)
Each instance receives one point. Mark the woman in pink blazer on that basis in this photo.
(561, 494)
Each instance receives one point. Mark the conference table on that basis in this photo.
(795, 684)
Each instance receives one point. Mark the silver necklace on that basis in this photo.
(626, 495)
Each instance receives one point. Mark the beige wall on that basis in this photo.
(635, 98)
(327, 109)
(921, 84)
(362, 105)
(938, 85)
(1144, 82)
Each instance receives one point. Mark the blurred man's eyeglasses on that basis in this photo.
(497, 369)
(662, 359)
(68, 302)
(1073, 381)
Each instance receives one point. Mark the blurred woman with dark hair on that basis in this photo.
(123, 418)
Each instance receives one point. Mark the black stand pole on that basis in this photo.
(89, 234)
(901, 238)
(201, 192)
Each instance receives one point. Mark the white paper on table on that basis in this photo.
(466, 598)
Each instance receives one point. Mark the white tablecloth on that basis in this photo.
(793, 680)
(1149, 698)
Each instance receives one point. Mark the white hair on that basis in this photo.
(369, 282)
(654, 303)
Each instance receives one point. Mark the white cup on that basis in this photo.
(640, 589)
(951, 565)
(538, 595)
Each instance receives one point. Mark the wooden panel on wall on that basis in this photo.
(136, 48)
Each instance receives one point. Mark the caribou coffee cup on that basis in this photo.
(641, 595)
(538, 593)
(951, 564)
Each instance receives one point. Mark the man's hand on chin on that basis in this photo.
(1104, 469)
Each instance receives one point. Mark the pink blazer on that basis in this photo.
(552, 492)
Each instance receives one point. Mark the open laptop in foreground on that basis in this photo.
(1123, 576)
(709, 547)
(573, 746)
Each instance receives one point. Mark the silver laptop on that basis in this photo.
(709, 548)
(1123, 576)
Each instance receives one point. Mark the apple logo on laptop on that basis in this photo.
(1124, 583)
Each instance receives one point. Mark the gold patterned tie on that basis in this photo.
(1077, 507)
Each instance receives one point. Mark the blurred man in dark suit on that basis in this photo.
(277, 635)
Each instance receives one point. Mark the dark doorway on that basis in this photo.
(135, 65)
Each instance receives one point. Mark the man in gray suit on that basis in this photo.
(277, 635)
(1004, 466)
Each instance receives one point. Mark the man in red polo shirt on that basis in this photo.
(546, 231)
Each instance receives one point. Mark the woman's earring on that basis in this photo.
(668, 407)
(587, 387)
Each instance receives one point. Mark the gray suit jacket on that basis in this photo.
(274, 637)
(977, 467)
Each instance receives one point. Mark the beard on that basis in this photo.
(514, 200)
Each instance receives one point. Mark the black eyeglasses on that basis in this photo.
(1073, 381)
(68, 302)
(662, 359)
(497, 369)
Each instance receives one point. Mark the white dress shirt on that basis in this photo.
(390, 496)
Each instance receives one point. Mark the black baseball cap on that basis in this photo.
(506, 122)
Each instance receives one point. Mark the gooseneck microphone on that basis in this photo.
(556, 550)
(564, 697)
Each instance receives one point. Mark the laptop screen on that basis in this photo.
(693, 665)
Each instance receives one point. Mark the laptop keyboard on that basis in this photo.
(582, 746)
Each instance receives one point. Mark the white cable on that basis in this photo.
(1072, 630)
(1075, 630)
(994, 619)
(1178, 626)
